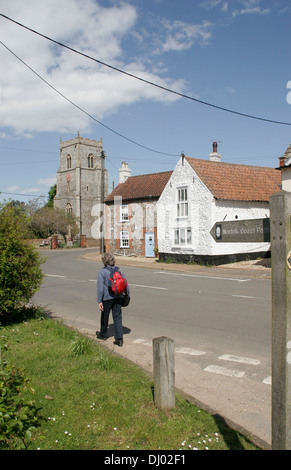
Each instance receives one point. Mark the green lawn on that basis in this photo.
(89, 399)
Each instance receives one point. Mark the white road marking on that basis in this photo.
(268, 380)
(203, 277)
(138, 285)
(224, 371)
(242, 360)
(148, 287)
(142, 341)
(54, 275)
(248, 297)
(191, 352)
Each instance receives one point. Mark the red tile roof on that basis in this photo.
(231, 181)
(228, 181)
(141, 187)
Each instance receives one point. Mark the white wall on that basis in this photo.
(203, 212)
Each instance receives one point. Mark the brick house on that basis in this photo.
(130, 213)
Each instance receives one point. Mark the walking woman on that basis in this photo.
(108, 302)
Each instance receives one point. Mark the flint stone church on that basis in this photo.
(82, 184)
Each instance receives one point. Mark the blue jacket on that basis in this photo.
(102, 286)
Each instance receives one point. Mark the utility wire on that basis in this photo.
(19, 194)
(221, 108)
(81, 109)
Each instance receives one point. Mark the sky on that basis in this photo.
(230, 59)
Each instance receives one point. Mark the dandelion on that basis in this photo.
(115, 429)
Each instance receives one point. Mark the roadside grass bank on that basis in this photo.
(90, 399)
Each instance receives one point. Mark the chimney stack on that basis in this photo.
(124, 172)
(214, 156)
(285, 157)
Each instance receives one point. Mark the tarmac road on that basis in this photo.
(219, 319)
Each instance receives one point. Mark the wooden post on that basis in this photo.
(164, 372)
(280, 207)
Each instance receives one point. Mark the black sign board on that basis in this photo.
(242, 231)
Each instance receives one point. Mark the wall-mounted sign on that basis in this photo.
(242, 231)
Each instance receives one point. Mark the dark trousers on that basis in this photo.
(115, 306)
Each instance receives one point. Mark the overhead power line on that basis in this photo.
(221, 108)
(21, 194)
(81, 109)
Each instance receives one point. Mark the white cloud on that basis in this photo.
(48, 182)
(28, 191)
(209, 4)
(181, 36)
(28, 105)
(251, 7)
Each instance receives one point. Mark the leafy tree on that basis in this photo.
(47, 221)
(52, 193)
(20, 272)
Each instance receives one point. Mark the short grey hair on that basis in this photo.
(108, 259)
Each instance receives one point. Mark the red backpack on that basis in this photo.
(117, 283)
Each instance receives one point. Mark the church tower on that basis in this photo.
(82, 181)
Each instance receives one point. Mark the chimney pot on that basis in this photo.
(214, 156)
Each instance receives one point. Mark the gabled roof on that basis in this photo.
(235, 182)
(141, 187)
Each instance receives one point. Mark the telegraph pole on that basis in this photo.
(102, 202)
(281, 320)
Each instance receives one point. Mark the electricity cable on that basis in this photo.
(81, 109)
(221, 108)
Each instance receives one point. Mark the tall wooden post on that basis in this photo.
(164, 372)
(280, 206)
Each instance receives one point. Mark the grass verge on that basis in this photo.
(89, 399)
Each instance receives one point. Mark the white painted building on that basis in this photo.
(201, 193)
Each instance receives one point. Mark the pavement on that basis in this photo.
(247, 407)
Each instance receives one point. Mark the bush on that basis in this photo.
(18, 417)
(20, 272)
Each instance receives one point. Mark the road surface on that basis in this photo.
(220, 322)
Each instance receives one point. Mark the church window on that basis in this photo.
(90, 161)
(69, 209)
(69, 162)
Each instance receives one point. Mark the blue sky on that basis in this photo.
(234, 54)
